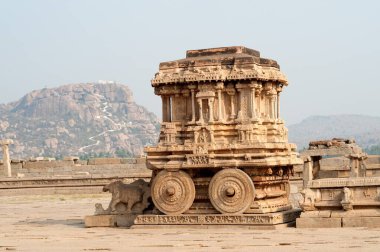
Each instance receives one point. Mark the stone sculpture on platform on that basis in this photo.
(126, 198)
(223, 155)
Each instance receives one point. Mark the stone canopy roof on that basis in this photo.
(219, 64)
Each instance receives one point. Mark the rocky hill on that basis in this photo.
(364, 129)
(78, 119)
(95, 119)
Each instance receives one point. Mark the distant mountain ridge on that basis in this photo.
(364, 129)
(93, 118)
(78, 119)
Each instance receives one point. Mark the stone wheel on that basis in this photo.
(173, 192)
(231, 191)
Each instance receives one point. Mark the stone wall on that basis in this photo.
(58, 168)
(339, 167)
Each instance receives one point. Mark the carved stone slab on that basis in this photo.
(345, 182)
(218, 219)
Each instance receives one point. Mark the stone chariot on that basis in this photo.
(223, 155)
(223, 148)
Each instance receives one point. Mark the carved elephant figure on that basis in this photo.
(310, 196)
(129, 194)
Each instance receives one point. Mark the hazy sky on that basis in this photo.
(329, 50)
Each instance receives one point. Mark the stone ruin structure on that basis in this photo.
(339, 190)
(6, 159)
(223, 155)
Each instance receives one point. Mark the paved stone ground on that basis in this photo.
(55, 223)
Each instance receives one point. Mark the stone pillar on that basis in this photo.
(200, 111)
(278, 89)
(168, 111)
(192, 105)
(258, 99)
(307, 171)
(271, 107)
(233, 115)
(278, 105)
(6, 159)
(219, 88)
(211, 109)
(275, 107)
(253, 101)
(354, 166)
(164, 109)
(220, 115)
(240, 96)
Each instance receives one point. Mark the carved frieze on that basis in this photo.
(216, 219)
(197, 159)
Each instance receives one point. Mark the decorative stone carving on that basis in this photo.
(214, 219)
(126, 198)
(347, 199)
(309, 198)
(170, 132)
(197, 159)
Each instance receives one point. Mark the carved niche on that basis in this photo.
(203, 135)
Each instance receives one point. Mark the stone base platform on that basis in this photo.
(268, 219)
(369, 218)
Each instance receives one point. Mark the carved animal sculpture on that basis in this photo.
(309, 199)
(130, 194)
(347, 199)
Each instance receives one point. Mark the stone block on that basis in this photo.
(369, 222)
(373, 159)
(67, 169)
(357, 213)
(336, 163)
(298, 168)
(343, 174)
(319, 222)
(46, 164)
(316, 214)
(70, 158)
(16, 166)
(103, 161)
(327, 174)
(141, 160)
(16, 161)
(35, 159)
(100, 221)
(128, 160)
(81, 162)
(374, 173)
(109, 220)
(125, 220)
